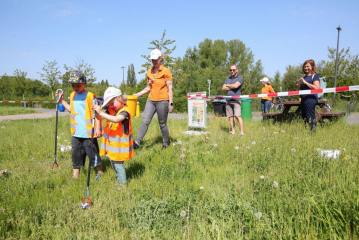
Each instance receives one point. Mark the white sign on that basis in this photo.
(197, 110)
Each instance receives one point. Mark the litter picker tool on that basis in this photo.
(59, 93)
(86, 199)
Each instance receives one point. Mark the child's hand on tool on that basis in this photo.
(59, 95)
(98, 132)
(97, 108)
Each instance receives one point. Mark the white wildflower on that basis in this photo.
(201, 188)
(177, 143)
(64, 148)
(275, 132)
(215, 145)
(261, 177)
(236, 147)
(258, 215)
(183, 213)
(293, 150)
(275, 184)
(253, 142)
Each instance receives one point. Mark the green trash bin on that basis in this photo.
(246, 109)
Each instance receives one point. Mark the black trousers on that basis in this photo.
(308, 110)
(82, 147)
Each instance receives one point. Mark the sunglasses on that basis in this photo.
(232, 70)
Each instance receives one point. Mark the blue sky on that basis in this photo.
(111, 34)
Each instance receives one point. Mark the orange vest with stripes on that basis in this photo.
(116, 144)
(88, 114)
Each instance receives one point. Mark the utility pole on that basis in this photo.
(123, 74)
(337, 60)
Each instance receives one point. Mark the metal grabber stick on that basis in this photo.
(58, 94)
(86, 199)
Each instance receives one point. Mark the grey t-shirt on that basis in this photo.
(236, 91)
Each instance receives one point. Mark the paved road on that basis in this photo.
(48, 113)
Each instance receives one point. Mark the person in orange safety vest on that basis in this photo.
(84, 133)
(117, 140)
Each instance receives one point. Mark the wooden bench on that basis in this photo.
(272, 115)
(321, 116)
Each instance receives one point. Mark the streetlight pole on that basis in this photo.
(123, 74)
(337, 59)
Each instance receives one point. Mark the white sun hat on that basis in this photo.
(110, 93)
(155, 54)
(265, 79)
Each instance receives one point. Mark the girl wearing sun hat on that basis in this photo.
(117, 141)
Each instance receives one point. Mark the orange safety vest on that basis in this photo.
(88, 113)
(116, 144)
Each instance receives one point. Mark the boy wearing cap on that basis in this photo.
(266, 102)
(84, 128)
(117, 141)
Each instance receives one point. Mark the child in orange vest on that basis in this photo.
(117, 141)
(84, 134)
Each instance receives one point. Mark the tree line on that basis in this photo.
(208, 61)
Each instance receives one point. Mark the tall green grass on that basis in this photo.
(268, 184)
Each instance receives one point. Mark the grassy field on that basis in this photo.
(268, 184)
(12, 110)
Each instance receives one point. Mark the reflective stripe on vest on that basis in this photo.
(117, 145)
(88, 114)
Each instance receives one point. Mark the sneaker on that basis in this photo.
(164, 146)
(136, 145)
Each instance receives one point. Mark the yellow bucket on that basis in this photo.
(132, 104)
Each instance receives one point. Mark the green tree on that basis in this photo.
(50, 74)
(277, 82)
(131, 76)
(167, 46)
(81, 66)
(290, 77)
(85, 68)
(211, 60)
(348, 68)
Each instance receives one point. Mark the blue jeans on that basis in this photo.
(119, 168)
(266, 105)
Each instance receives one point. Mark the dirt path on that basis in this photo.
(48, 113)
(40, 114)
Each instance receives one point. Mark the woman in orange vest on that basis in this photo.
(160, 99)
(117, 141)
(266, 102)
